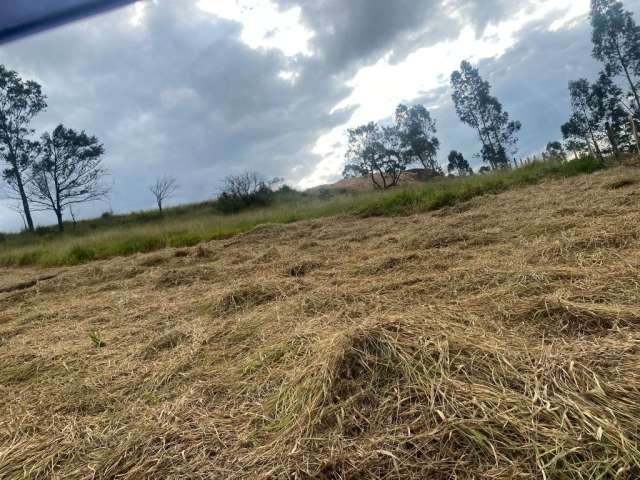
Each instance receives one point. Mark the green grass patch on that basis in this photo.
(186, 226)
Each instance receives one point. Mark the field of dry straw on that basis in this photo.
(496, 339)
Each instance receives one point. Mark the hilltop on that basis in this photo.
(364, 184)
(493, 338)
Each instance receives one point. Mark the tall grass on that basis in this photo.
(189, 225)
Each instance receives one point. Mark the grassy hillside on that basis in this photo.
(189, 225)
(494, 339)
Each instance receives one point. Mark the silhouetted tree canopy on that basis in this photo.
(555, 151)
(68, 172)
(458, 164)
(20, 102)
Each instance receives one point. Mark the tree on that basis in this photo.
(163, 189)
(554, 151)
(247, 183)
(480, 110)
(416, 130)
(69, 171)
(586, 118)
(607, 99)
(575, 136)
(20, 102)
(616, 43)
(244, 190)
(377, 152)
(458, 164)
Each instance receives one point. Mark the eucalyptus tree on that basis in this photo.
(20, 102)
(616, 43)
(458, 164)
(608, 101)
(586, 119)
(480, 110)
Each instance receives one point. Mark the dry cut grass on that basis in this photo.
(497, 339)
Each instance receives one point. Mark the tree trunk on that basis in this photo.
(60, 223)
(635, 132)
(589, 147)
(612, 139)
(25, 202)
(634, 90)
(597, 147)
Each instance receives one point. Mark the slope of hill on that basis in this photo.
(364, 184)
(497, 338)
(187, 225)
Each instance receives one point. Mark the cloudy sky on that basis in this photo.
(199, 89)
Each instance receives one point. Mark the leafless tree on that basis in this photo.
(244, 184)
(163, 189)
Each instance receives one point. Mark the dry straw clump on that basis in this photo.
(498, 339)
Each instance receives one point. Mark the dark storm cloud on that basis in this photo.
(180, 94)
(352, 33)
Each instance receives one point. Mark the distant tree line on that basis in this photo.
(605, 115)
(60, 169)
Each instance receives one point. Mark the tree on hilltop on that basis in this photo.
(417, 132)
(163, 189)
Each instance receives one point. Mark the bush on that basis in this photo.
(229, 203)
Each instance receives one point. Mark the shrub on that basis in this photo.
(229, 203)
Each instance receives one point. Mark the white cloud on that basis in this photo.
(263, 24)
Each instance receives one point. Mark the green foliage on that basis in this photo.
(377, 152)
(228, 203)
(458, 164)
(417, 130)
(445, 193)
(96, 340)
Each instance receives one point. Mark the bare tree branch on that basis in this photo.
(163, 189)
